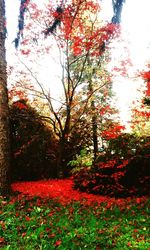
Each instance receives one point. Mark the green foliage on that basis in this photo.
(34, 223)
(84, 160)
(32, 143)
(124, 146)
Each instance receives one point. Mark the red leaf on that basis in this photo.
(2, 240)
(57, 243)
(23, 234)
(138, 200)
(27, 218)
(25, 52)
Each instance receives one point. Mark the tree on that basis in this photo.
(141, 109)
(80, 40)
(146, 76)
(140, 123)
(4, 110)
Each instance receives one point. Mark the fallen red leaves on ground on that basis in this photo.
(63, 191)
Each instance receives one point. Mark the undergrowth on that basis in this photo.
(28, 223)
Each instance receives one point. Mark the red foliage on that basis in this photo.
(20, 105)
(112, 132)
(25, 52)
(148, 88)
(63, 191)
(140, 113)
(146, 76)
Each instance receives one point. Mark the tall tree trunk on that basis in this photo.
(61, 151)
(117, 9)
(94, 125)
(62, 147)
(4, 111)
(95, 136)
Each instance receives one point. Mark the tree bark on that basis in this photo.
(60, 163)
(62, 146)
(60, 173)
(94, 126)
(4, 111)
(117, 9)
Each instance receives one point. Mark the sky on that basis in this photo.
(12, 11)
(136, 34)
(136, 31)
(136, 27)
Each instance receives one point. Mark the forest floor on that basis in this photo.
(63, 192)
(47, 215)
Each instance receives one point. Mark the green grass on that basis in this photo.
(33, 223)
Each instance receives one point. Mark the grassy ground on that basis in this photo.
(28, 223)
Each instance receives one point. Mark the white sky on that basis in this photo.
(136, 26)
(12, 11)
(136, 33)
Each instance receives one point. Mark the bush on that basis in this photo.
(137, 172)
(116, 176)
(124, 146)
(33, 144)
(81, 161)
